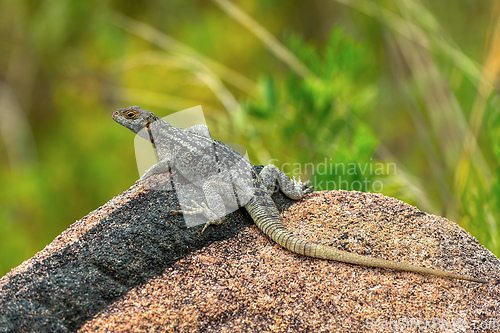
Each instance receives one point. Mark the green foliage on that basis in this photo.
(483, 198)
(310, 115)
(391, 99)
(319, 119)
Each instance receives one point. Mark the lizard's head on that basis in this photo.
(135, 119)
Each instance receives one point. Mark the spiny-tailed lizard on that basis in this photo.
(227, 178)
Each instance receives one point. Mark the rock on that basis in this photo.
(133, 265)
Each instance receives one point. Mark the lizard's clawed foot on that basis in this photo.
(195, 209)
(215, 222)
(301, 187)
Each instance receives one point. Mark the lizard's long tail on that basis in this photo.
(268, 219)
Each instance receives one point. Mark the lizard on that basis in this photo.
(226, 177)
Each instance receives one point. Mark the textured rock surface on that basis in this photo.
(132, 265)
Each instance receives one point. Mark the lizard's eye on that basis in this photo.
(131, 114)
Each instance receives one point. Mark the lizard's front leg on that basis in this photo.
(290, 187)
(161, 167)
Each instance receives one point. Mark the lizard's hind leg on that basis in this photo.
(290, 187)
(217, 195)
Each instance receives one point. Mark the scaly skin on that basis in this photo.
(174, 146)
(265, 215)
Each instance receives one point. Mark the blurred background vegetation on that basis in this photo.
(410, 83)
